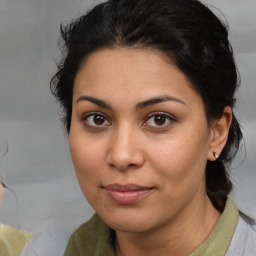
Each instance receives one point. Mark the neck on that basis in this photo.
(179, 237)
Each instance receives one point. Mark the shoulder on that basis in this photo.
(244, 239)
(12, 241)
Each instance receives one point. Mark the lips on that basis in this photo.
(127, 194)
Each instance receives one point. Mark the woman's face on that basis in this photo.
(139, 139)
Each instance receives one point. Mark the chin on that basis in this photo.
(128, 221)
(129, 227)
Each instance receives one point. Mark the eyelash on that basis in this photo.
(94, 114)
(167, 118)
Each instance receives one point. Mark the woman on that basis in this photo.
(147, 88)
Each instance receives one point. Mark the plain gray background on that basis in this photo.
(38, 166)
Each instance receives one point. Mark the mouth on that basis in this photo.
(127, 194)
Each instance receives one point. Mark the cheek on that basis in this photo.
(87, 161)
(87, 157)
(181, 159)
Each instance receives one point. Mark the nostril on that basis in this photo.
(132, 165)
(111, 165)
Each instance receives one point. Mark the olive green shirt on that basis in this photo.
(96, 238)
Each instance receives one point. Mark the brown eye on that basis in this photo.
(95, 120)
(159, 120)
(99, 120)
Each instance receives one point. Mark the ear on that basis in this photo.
(219, 134)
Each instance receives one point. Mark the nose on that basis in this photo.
(125, 151)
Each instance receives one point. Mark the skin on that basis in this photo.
(129, 147)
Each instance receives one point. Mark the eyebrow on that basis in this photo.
(139, 106)
(96, 101)
(157, 100)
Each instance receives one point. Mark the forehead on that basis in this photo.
(131, 72)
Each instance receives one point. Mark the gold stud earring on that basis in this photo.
(215, 155)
